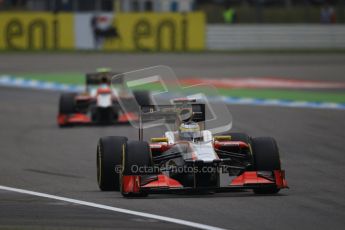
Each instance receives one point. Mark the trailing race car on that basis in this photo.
(188, 158)
(99, 103)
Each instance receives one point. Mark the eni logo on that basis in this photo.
(165, 32)
(36, 34)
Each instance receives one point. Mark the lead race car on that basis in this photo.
(98, 104)
(187, 158)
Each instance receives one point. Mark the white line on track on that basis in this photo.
(114, 209)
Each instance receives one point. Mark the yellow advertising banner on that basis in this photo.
(36, 31)
(118, 32)
(158, 32)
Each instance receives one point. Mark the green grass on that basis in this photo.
(294, 95)
(66, 78)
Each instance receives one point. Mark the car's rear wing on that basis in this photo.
(99, 78)
(150, 113)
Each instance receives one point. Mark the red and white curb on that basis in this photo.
(264, 82)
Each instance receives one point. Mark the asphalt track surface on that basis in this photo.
(293, 66)
(37, 155)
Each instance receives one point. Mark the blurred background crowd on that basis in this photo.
(217, 11)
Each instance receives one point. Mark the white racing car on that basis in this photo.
(187, 157)
(99, 104)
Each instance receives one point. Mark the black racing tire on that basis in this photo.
(142, 97)
(109, 158)
(67, 103)
(139, 154)
(266, 158)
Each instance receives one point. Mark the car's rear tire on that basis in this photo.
(137, 159)
(142, 97)
(109, 158)
(266, 158)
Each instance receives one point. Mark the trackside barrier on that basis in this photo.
(301, 36)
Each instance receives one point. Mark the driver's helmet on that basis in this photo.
(104, 72)
(104, 81)
(189, 131)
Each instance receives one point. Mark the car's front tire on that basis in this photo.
(137, 159)
(67, 106)
(266, 158)
(109, 158)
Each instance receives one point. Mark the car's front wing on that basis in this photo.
(84, 119)
(164, 184)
